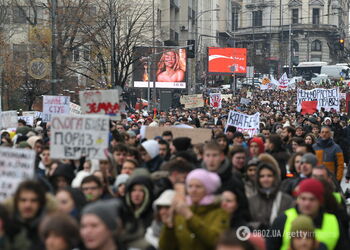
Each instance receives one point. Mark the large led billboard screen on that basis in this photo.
(227, 60)
(168, 68)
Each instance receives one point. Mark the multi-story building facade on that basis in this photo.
(286, 32)
(206, 22)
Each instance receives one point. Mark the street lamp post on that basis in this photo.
(196, 18)
(53, 46)
(112, 25)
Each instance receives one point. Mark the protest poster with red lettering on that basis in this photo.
(244, 123)
(215, 100)
(100, 102)
(76, 136)
(55, 105)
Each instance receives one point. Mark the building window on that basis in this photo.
(257, 18)
(295, 46)
(19, 15)
(316, 16)
(87, 53)
(316, 58)
(20, 52)
(295, 16)
(159, 18)
(5, 14)
(235, 19)
(316, 45)
(295, 60)
(76, 55)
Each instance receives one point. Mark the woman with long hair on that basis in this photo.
(169, 68)
(310, 139)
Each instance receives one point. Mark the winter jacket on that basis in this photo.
(154, 164)
(200, 232)
(266, 205)
(28, 230)
(330, 154)
(136, 221)
(226, 175)
(17, 242)
(250, 188)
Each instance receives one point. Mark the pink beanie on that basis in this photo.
(211, 181)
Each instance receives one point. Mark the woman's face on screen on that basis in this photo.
(170, 59)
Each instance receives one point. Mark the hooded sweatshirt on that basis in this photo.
(136, 220)
(152, 148)
(267, 204)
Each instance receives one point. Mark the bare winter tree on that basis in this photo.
(73, 17)
(129, 23)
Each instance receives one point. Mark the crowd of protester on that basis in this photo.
(282, 185)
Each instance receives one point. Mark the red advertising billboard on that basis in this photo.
(227, 60)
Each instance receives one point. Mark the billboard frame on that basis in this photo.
(160, 85)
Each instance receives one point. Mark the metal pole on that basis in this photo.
(196, 59)
(53, 47)
(253, 59)
(290, 50)
(112, 24)
(270, 30)
(153, 50)
(282, 37)
(308, 47)
(149, 83)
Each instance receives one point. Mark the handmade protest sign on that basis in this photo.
(29, 119)
(245, 101)
(197, 135)
(100, 102)
(215, 100)
(326, 98)
(9, 119)
(73, 137)
(244, 123)
(74, 109)
(16, 165)
(54, 105)
(35, 114)
(192, 101)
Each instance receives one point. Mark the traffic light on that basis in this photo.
(341, 44)
(191, 50)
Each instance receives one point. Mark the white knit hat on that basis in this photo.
(165, 199)
(152, 148)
